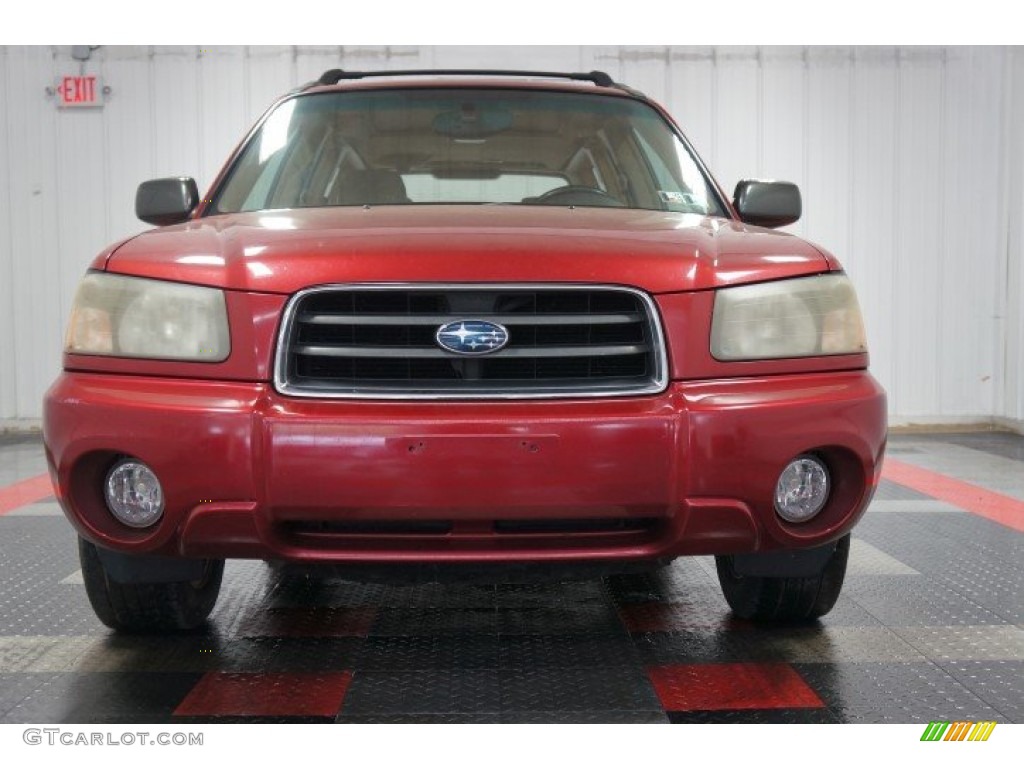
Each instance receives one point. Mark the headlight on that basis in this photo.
(804, 317)
(134, 317)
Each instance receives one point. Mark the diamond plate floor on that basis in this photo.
(929, 627)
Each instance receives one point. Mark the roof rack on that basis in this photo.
(334, 76)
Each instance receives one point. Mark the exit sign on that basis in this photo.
(79, 91)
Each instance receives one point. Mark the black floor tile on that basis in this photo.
(890, 491)
(922, 686)
(746, 716)
(404, 652)
(1003, 444)
(15, 687)
(287, 654)
(422, 691)
(517, 596)
(412, 718)
(249, 720)
(9, 439)
(561, 689)
(36, 554)
(902, 601)
(628, 716)
(559, 651)
(560, 619)
(424, 619)
(555, 717)
(697, 647)
(1000, 684)
(911, 714)
(104, 697)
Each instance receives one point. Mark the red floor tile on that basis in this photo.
(26, 492)
(997, 507)
(690, 687)
(282, 694)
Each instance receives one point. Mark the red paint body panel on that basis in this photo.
(693, 468)
(288, 250)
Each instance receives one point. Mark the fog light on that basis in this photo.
(802, 489)
(133, 494)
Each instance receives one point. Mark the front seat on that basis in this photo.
(371, 186)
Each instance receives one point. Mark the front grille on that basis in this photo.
(380, 341)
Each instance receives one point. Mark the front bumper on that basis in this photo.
(249, 473)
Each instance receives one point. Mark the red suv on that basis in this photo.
(456, 319)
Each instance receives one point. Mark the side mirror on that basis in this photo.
(166, 201)
(767, 203)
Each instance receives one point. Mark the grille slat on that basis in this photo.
(311, 318)
(426, 353)
(379, 341)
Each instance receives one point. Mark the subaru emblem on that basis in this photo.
(472, 337)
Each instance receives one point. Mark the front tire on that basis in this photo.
(784, 598)
(149, 608)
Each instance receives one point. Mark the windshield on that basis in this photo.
(459, 146)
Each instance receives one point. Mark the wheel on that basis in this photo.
(575, 194)
(145, 608)
(784, 598)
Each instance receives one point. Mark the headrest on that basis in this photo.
(371, 186)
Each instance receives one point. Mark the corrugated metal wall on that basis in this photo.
(909, 159)
(1010, 403)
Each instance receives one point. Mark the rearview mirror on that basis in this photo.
(166, 201)
(767, 203)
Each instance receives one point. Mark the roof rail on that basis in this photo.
(334, 76)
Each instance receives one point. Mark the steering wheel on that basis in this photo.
(576, 194)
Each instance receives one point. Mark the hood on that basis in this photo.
(285, 251)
